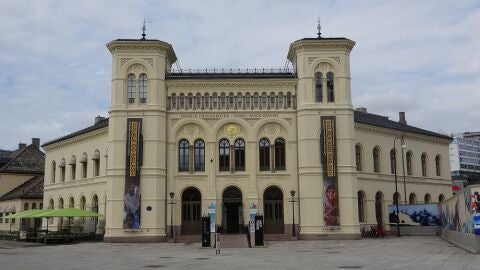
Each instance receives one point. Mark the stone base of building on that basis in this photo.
(337, 236)
(135, 239)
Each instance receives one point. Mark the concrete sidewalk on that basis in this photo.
(415, 252)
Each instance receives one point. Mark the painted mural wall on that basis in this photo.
(461, 213)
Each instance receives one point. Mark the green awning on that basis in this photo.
(22, 214)
(69, 212)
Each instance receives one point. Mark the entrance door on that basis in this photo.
(273, 210)
(379, 208)
(191, 211)
(232, 210)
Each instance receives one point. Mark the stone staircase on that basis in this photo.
(233, 241)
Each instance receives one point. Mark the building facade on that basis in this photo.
(179, 145)
(465, 159)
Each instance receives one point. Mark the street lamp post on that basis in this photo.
(403, 169)
(171, 202)
(396, 185)
(292, 200)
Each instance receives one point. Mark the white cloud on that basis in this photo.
(415, 56)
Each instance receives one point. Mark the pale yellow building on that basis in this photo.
(239, 139)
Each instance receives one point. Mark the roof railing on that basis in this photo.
(233, 71)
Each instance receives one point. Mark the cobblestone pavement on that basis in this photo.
(425, 252)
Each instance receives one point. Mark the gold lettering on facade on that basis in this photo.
(133, 148)
(229, 115)
(329, 151)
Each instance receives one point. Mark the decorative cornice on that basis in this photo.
(149, 46)
(319, 45)
(245, 85)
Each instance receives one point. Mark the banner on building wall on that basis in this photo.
(414, 214)
(459, 213)
(131, 209)
(331, 214)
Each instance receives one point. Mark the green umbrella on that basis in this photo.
(70, 212)
(22, 214)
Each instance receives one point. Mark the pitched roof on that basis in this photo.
(31, 189)
(383, 121)
(28, 159)
(98, 125)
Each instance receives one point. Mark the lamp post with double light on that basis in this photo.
(396, 183)
(171, 202)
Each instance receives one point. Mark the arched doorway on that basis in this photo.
(232, 218)
(191, 211)
(379, 208)
(273, 210)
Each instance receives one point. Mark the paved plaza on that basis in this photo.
(425, 252)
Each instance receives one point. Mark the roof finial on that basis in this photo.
(144, 29)
(319, 28)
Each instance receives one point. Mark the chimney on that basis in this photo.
(361, 109)
(401, 118)
(98, 118)
(22, 145)
(36, 142)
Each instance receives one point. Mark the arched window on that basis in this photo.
(330, 88)
(231, 101)
(96, 163)
(239, 155)
(396, 198)
(62, 170)
(255, 101)
(198, 101)
(280, 100)
(424, 164)
(25, 206)
(143, 88)
(428, 198)
(358, 157)
(215, 101)
(199, 156)
(60, 203)
(239, 99)
(361, 206)
(54, 171)
(223, 101)
(247, 101)
(181, 101)
(264, 101)
(289, 100)
(206, 101)
(190, 101)
(83, 206)
(95, 203)
(437, 165)
(280, 154)
(441, 198)
(34, 206)
(174, 102)
(84, 162)
(412, 199)
(224, 155)
(379, 208)
(409, 163)
(73, 167)
(393, 161)
(318, 87)
(264, 146)
(131, 88)
(51, 204)
(191, 211)
(376, 159)
(273, 210)
(183, 155)
(272, 101)
(71, 203)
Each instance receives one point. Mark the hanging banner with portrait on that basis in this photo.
(331, 214)
(131, 209)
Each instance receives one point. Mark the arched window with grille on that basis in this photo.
(198, 101)
(223, 101)
(131, 88)
(437, 165)
(215, 101)
(264, 146)
(190, 101)
(231, 101)
(255, 101)
(289, 100)
(424, 164)
(358, 157)
(143, 88)
(376, 159)
(206, 101)
(181, 101)
(281, 103)
(239, 155)
(239, 99)
(174, 102)
(264, 101)
(409, 163)
(247, 101)
(318, 87)
(199, 156)
(393, 161)
(224, 155)
(280, 154)
(272, 104)
(183, 155)
(330, 87)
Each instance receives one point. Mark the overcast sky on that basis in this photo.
(421, 57)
